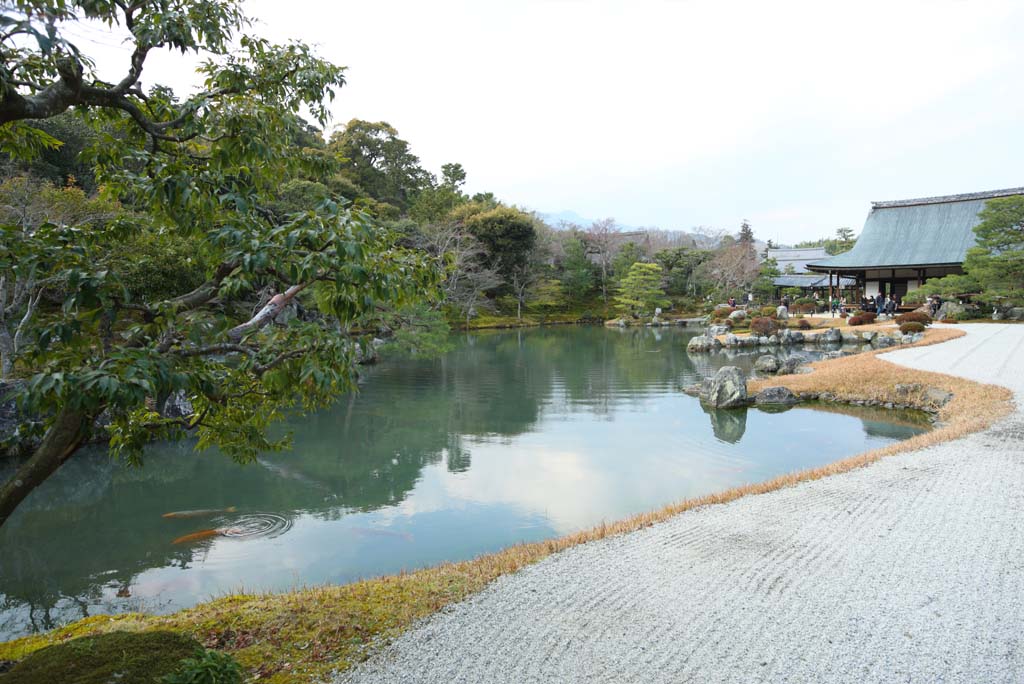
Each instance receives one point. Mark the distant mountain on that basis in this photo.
(699, 239)
(554, 219)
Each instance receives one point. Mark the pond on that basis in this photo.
(513, 436)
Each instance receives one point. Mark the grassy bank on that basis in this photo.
(304, 635)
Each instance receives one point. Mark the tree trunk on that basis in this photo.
(61, 441)
(6, 353)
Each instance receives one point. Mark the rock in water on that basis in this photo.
(831, 336)
(792, 364)
(776, 395)
(728, 389)
(766, 364)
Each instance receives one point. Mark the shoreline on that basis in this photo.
(381, 608)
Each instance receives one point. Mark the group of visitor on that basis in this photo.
(882, 305)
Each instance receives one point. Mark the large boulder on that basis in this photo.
(831, 336)
(949, 310)
(882, 342)
(792, 364)
(177, 405)
(737, 316)
(703, 343)
(716, 330)
(776, 396)
(766, 364)
(1015, 314)
(728, 389)
(782, 313)
(731, 340)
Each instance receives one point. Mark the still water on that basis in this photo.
(512, 436)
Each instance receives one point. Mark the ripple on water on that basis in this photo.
(267, 525)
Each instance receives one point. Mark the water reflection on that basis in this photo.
(513, 436)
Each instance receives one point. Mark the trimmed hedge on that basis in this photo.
(911, 327)
(914, 317)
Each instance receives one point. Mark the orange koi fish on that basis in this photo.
(196, 536)
(200, 513)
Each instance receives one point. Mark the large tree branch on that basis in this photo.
(268, 313)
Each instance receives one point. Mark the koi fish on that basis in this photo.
(200, 513)
(196, 536)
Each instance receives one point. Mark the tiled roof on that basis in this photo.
(917, 232)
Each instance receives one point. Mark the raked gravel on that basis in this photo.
(908, 570)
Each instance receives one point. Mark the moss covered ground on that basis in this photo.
(121, 657)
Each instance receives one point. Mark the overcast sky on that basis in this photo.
(793, 115)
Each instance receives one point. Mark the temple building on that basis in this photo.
(792, 264)
(906, 242)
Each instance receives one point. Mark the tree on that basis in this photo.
(32, 211)
(997, 262)
(680, 266)
(733, 267)
(764, 286)
(207, 168)
(845, 240)
(377, 160)
(628, 255)
(577, 269)
(640, 291)
(468, 277)
(746, 234)
(453, 176)
(507, 235)
(600, 241)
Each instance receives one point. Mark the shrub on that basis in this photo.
(843, 315)
(914, 317)
(727, 323)
(721, 312)
(855, 320)
(207, 667)
(768, 311)
(764, 326)
(804, 324)
(868, 316)
(911, 327)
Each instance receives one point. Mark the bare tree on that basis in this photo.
(601, 243)
(469, 278)
(733, 267)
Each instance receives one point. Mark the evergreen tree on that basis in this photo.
(640, 291)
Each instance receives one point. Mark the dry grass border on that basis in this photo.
(305, 635)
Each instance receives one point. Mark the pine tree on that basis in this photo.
(640, 291)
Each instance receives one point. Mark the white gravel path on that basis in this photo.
(909, 570)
